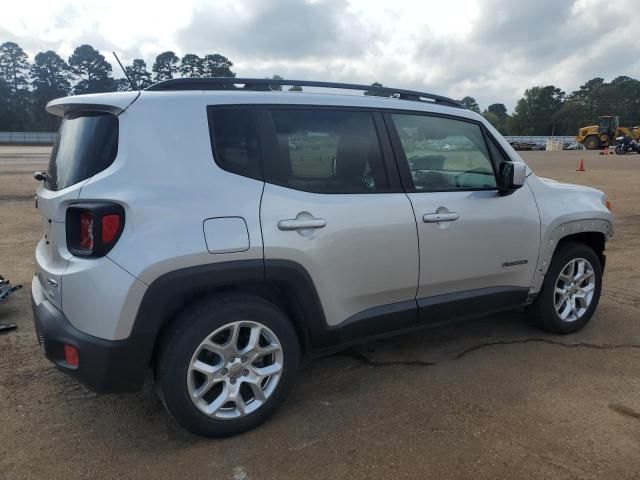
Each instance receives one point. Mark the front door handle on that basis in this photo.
(301, 223)
(440, 217)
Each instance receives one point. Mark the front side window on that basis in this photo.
(327, 151)
(445, 154)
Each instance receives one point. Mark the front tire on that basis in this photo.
(570, 292)
(620, 150)
(226, 364)
(592, 142)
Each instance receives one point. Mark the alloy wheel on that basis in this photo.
(235, 370)
(574, 289)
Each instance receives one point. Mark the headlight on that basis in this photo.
(606, 202)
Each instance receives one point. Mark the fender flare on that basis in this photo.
(553, 237)
(167, 294)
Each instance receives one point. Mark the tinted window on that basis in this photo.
(85, 145)
(328, 151)
(445, 154)
(234, 138)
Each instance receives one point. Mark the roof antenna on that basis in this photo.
(133, 85)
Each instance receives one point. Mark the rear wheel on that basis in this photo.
(592, 143)
(571, 290)
(227, 364)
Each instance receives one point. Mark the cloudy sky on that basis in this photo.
(489, 49)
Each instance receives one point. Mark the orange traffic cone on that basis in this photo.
(581, 166)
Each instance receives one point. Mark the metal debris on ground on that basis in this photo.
(6, 289)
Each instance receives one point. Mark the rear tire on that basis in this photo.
(570, 291)
(592, 143)
(213, 372)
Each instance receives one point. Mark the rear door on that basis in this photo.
(478, 247)
(333, 204)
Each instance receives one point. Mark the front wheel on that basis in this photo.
(571, 290)
(592, 142)
(226, 364)
(620, 150)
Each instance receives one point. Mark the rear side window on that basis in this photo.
(328, 151)
(234, 138)
(86, 144)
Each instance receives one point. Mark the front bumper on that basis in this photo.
(105, 366)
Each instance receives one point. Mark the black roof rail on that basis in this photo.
(264, 84)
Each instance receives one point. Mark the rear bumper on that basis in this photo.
(105, 366)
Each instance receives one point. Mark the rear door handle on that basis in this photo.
(440, 217)
(301, 223)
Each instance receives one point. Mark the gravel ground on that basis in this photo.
(492, 398)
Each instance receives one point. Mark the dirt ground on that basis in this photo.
(492, 398)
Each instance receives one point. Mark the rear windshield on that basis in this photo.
(86, 144)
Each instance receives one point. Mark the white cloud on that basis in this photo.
(489, 49)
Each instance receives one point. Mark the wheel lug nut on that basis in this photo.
(233, 380)
(243, 359)
(245, 372)
(224, 371)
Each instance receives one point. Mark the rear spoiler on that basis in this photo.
(114, 103)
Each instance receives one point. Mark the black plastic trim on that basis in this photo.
(105, 366)
(470, 303)
(119, 366)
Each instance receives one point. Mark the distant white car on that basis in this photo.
(216, 235)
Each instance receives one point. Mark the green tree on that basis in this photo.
(216, 65)
(14, 67)
(276, 88)
(534, 112)
(92, 70)
(496, 114)
(5, 105)
(493, 119)
(498, 108)
(165, 66)
(376, 93)
(190, 66)
(14, 71)
(51, 79)
(138, 72)
(470, 104)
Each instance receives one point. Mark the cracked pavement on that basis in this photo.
(485, 399)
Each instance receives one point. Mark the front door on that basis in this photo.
(478, 248)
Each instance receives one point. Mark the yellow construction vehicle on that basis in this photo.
(605, 132)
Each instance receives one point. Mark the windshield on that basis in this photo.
(86, 144)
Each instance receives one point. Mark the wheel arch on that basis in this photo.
(283, 283)
(591, 232)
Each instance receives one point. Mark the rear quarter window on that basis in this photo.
(234, 140)
(86, 144)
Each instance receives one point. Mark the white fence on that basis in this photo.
(27, 138)
(538, 139)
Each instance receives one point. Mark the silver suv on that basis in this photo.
(215, 232)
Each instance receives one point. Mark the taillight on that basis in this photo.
(93, 228)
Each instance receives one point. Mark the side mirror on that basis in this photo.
(511, 176)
